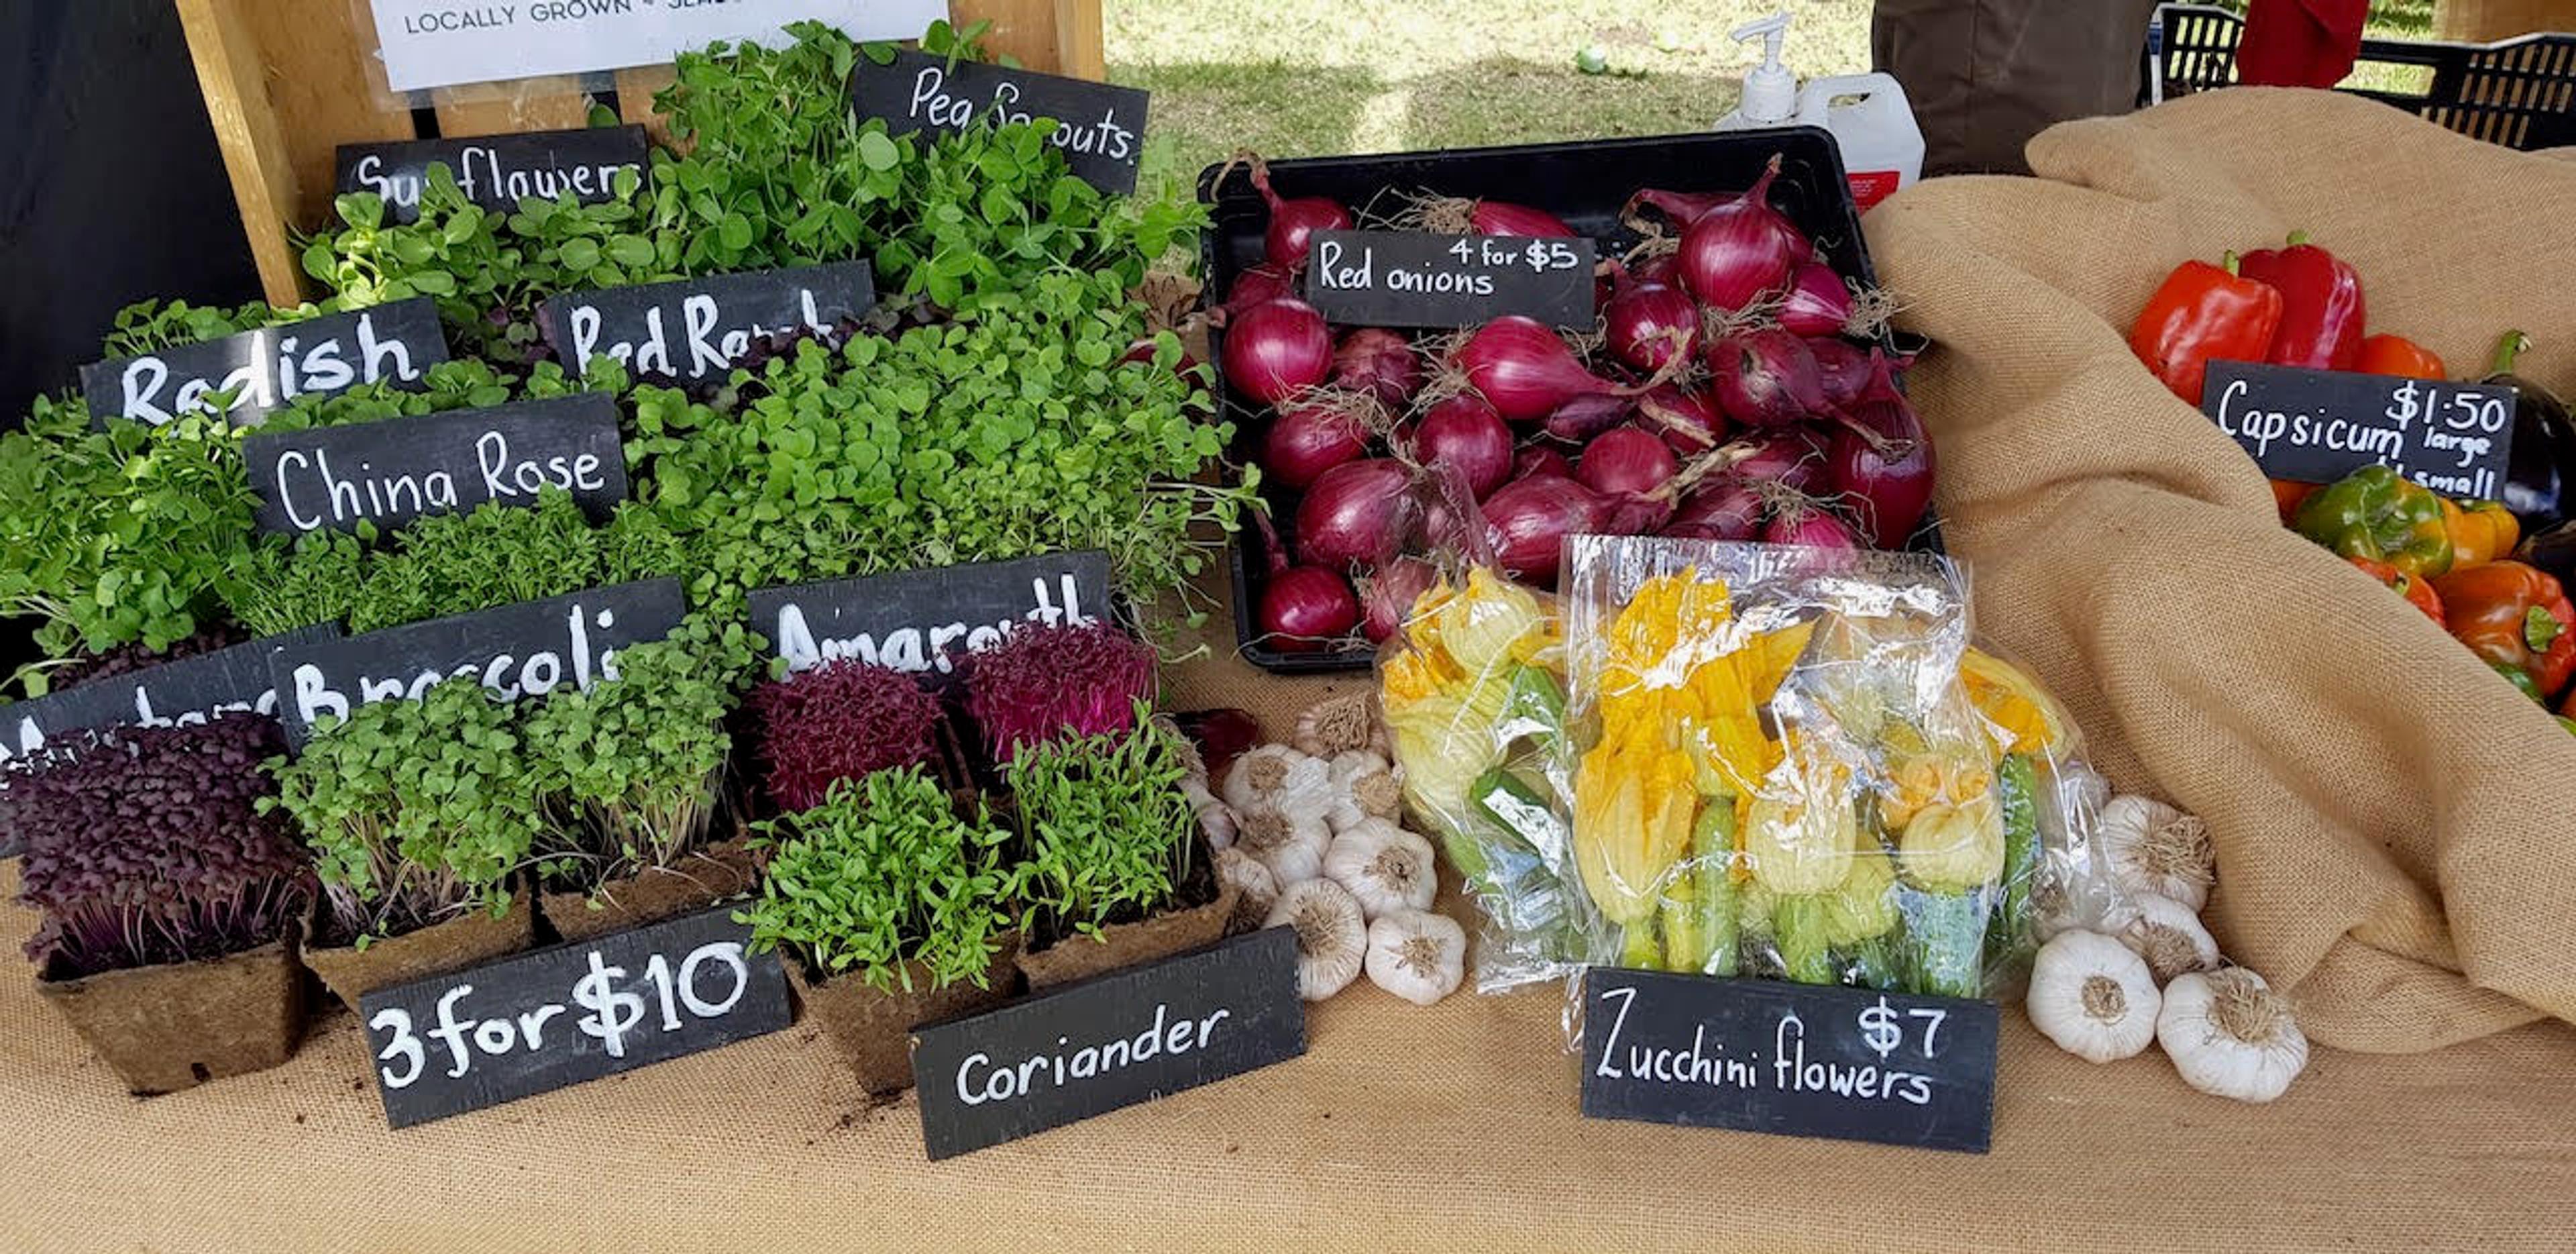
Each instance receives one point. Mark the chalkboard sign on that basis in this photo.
(496, 171)
(527, 649)
(265, 369)
(1111, 1042)
(1099, 128)
(694, 329)
(390, 472)
(1800, 1059)
(2316, 426)
(920, 620)
(541, 1021)
(172, 694)
(1417, 279)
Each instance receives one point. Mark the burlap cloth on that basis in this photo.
(1455, 1127)
(2396, 829)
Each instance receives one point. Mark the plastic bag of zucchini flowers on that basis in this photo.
(1472, 687)
(1790, 764)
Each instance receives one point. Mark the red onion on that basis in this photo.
(1532, 517)
(1460, 216)
(1221, 734)
(1682, 208)
(1689, 421)
(1663, 267)
(1305, 607)
(1729, 509)
(1629, 468)
(1311, 437)
(1258, 285)
(1464, 432)
(1765, 378)
(1584, 417)
(1494, 217)
(1379, 362)
(1293, 220)
(1625, 461)
(1391, 592)
(1793, 457)
(1354, 514)
(1741, 248)
(1275, 350)
(1538, 459)
(1844, 367)
(1882, 461)
(1818, 302)
(1802, 522)
(1525, 370)
(1649, 324)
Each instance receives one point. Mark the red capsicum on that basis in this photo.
(2321, 305)
(2417, 590)
(2513, 615)
(2204, 313)
(2399, 356)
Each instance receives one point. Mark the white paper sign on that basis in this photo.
(440, 43)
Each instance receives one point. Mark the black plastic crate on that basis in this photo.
(2520, 93)
(1584, 183)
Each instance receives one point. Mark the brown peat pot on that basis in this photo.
(1129, 944)
(181, 1024)
(700, 879)
(450, 945)
(872, 1027)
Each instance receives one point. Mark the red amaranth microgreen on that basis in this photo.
(1045, 683)
(841, 720)
(149, 846)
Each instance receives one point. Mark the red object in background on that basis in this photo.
(2300, 43)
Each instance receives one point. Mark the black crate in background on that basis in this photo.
(1585, 183)
(2520, 93)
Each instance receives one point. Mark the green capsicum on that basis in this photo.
(2378, 514)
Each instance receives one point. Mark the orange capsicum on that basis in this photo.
(2515, 615)
(2399, 356)
(2481, 531)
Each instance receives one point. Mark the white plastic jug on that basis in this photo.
(1873, 125)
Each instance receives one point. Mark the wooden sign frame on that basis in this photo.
(289, 81)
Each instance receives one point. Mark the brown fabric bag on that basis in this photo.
(2396, 827)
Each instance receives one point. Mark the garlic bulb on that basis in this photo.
(1417, 955)
(1256, 889)
(1337, 725)
(1292, 845)
(1216, 821)
(2155, 848)
(1364, 787)
(1276, 775)
(2230, 1035)
(2169, 936)
(1386, 867)
(2093, 997)
(1332, 940)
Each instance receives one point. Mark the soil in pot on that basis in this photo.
(449, 945)
(1201, 917)
(180, 1024)
(873, 1027)
(700, 879)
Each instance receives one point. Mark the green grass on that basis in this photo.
(1305, 77)
(1290, 78)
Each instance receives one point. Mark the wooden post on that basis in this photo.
(289, 81)
(2485, 21)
